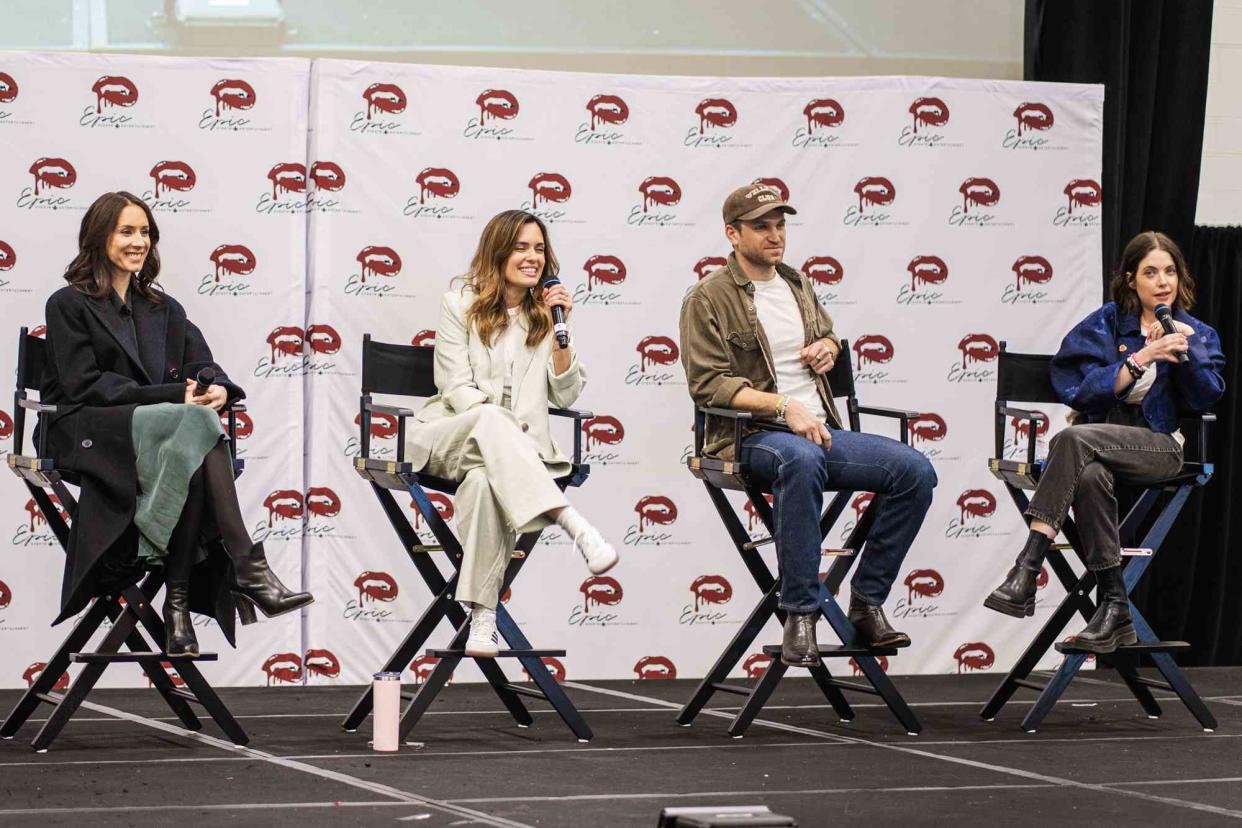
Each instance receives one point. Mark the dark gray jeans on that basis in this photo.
(1083, 463)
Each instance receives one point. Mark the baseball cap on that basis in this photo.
(752, 201)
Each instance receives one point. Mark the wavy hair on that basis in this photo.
(91, 270)
(1126, 296)
(486, 278)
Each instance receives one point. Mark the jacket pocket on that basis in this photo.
(744, 341)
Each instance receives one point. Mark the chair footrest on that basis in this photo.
(130, 658)
(837, 651)
(1138, 649)
(732, 688)
(461, 653)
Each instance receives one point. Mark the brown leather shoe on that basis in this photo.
(798, 647)
(871, 627)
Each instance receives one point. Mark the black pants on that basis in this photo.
(1084, 462)
(211, 510)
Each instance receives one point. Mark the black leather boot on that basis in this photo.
(179, 639)
(798, 646)
(1016, 596)
(255, 581)
(871, 627)
(1111, 626)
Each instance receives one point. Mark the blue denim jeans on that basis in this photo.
(798, 472)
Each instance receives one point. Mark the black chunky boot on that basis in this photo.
(254, 580)
(179, 638)
(1016, 596)
(1111, 626)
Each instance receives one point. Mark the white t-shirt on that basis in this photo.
(778, 313)
(512, 341)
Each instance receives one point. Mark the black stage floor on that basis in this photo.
(1097, 758)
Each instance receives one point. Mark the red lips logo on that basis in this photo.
(6, 595)
(327, 176)
(715, 112)
(1041, 580)
(607, 270)
(707, 264)
(555, 667)
(37, 518)
(875, 190)
(859, 504)
(601, 590)
(930, 270)
(978, 348)
(550, 187)
(322, 663)
(496, 103)
(8, 256)
(929, 112)
(752, 515)
(437, 182)
(711, 589)
(756, 664)
(655, 509)
(658, 350)
(8, 88)
(925, 583)
(233, 93)
(1083, 192)
(422, 666)
(823, 112)
(378, 261)
(385, 97)
(31, 675)
(323, 339)
(376, 586)
(607, 109)
(981, 192)
(234, 259)
(825, 270)
(177, 681)
(974, 656)
(284, 504)
(1032, 269)
(287, 340)
(322, 501)
(655, 667)
(287, 177)
(976, 503)
(776, 184)
(245, 425)
(383, 426)
(1022, 428)
(425, 338)
(173, 175)
(6, 426)
(604, 429)
(38, 330)
(114, 90)
(661, 190)
(928, 426)
(880, 660)
(873, 348)
(283, 668)
(53, 172)
(441, 503)
(1033, 116)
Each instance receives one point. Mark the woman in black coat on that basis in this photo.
(155, 473)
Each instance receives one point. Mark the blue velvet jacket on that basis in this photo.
(1085, 369)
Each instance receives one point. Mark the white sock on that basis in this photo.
(572, 522)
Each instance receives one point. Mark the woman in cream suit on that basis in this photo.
(497, 369)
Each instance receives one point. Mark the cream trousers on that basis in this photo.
(504, 490)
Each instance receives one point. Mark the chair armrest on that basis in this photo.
(1021, 414)
(364, 422)
(737, 416)
(731, 413)
(571, 412)
(38, 408)
(904, 417)
(390, 410)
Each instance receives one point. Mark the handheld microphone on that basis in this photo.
(203, 381)
(1165, 317)
(558, 316)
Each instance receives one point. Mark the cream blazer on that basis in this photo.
(469, 371)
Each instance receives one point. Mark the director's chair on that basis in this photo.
(407, 371)
(1025, 378)
(719, 475)
(124, 608)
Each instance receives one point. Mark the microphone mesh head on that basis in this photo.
(1162, 311)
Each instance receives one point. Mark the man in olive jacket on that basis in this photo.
(754, 338)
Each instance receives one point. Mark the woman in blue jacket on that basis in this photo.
(1123, 376)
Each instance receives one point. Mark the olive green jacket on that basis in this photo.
(724, 349)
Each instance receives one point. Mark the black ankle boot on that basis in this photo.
(798, 646)
(1016, 596)
(255, 581)
(871, 627)
(178, 628)
(1111, 626)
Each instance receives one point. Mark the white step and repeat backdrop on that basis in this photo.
(936, 218)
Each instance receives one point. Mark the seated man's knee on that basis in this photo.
(801, 456)
(919, 471)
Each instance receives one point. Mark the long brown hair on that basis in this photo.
(487, 279)
(91, 270)
(1125, 295)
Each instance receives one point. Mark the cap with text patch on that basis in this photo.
(752, 201)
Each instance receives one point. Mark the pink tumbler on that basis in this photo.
(386, 713)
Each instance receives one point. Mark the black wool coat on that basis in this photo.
(96, 379)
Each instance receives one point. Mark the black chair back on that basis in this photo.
(1025, 378)
(31, 359)
(403, 370)
(841, 377)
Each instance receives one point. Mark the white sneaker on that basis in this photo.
(482, 640)
(598, 554)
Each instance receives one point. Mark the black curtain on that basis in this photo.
(1152, 57)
